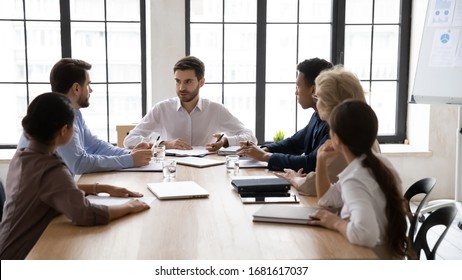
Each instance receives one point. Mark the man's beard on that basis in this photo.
(189, 96)
(83, 102)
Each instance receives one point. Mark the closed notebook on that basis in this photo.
(246, 162)
(151, 167)
(177, 190)
(260, 184)
(231, 150)
(284, 214)
(198, 162)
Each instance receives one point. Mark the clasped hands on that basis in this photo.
(181, 144)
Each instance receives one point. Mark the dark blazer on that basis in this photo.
(288, 152)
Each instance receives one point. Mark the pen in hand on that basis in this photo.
(219, 138)
(154, 145)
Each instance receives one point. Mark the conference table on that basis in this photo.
(219, 227)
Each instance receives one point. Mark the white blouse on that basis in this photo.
(362, 202)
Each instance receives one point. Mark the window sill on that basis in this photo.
(6, 155)
(404, 150)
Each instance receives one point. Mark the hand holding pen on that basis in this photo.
(250, 149)
(217, 145)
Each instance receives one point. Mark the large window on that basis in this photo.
(251, 49)
(109, 34)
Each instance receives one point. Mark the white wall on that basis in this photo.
(430, 127)
(167, 46)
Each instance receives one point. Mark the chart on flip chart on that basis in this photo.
(439, 69)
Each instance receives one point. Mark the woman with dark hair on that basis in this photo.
(39, 185)
(368, 190)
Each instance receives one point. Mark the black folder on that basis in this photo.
(259, 184)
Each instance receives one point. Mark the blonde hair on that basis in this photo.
(336, 85)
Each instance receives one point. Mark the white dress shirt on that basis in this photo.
(171, 121)
(362, 202)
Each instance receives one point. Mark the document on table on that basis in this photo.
(111, 200)
(153, 166)
(197, 151)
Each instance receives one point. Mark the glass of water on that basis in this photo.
(232, 164)
(158, 152)
(169, 169)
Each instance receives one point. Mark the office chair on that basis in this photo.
(422, 186)
(441, 216)
(2, 198)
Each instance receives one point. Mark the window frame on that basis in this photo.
(337, 57)
(66, 51)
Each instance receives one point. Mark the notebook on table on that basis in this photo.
(251, 184)
(198, 162)
(196, 151)
(231, 150)
(177, 190)
(264, 198)
(153, 166)
(284, 214)
(246, 162)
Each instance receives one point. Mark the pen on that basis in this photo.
(219, 138)
(155, 143)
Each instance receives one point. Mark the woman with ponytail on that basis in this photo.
(368, 190)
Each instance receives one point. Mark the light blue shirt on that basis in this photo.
(85, 153)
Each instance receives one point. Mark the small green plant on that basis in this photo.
(278, 136)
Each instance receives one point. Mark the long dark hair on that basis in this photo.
(356, 124)
(46, 115)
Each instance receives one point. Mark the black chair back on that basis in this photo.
(423, 186)
(441, 216)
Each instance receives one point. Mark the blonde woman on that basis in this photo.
(373, 211)
(332, 87)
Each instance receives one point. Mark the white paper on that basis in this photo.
(152, 166)
(111, 200)
(196, 151)
(442, 12)
(443, 53)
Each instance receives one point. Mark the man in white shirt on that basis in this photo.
(188, 120)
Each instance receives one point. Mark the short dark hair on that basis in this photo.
(312, 67)
(46, 115)
(191, 63)
(66, 72)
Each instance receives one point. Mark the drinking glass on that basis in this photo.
(169, 169)
(232, 164)
(158, 152)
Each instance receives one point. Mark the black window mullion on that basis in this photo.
(144, 89)
(297, 60)
(223, 53)
(261, 72)
(26, 57)
(65, 10)
(338, 32)
(403, 70)
(187, 27)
